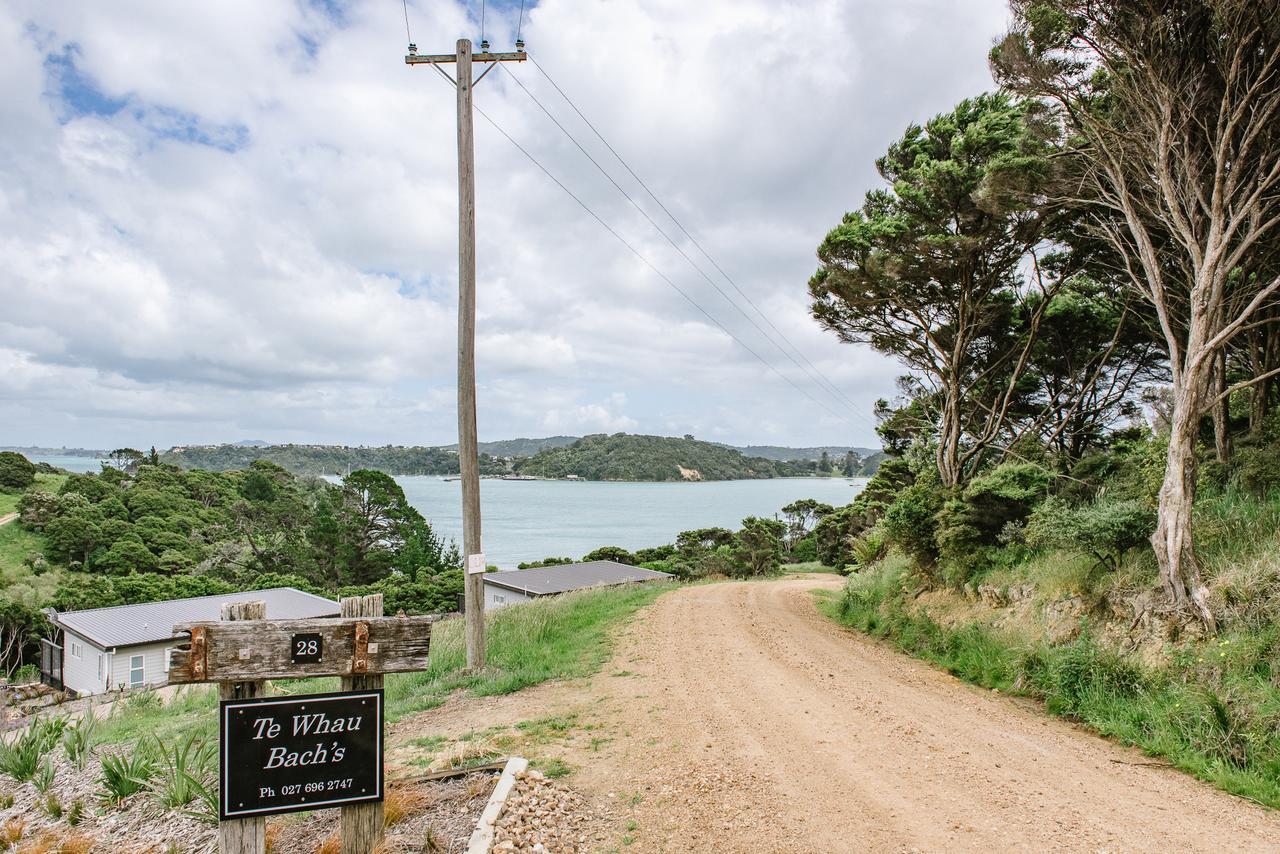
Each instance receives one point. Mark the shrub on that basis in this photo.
(183, 769)
(613, 553)
(16, 471)
(75, 813)
(757, 549)
(44, 777)
(124, 775)
(1104, 530)
(1257, 468)
(77, 740)
(20, 758)
(1005, 494)
(910, 522)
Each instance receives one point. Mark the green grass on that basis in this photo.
(1213, 711)
(558, 637)
(810, 566)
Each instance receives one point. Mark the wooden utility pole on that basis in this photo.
(468, 450)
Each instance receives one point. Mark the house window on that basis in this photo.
(135, 671)
(77, 651)
(99, 667)
(499, 599)
(168, 657)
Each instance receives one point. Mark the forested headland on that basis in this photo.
(147, 531)
(600, 457)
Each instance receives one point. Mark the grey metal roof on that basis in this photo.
(545, 580)
(129, 625)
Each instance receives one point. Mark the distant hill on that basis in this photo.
(652, 458)
(781, 452)
(327, 459)
(35, 451)
(520, 447)
(251, 443)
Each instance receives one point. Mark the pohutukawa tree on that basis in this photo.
(1172, 110)
(934, 271)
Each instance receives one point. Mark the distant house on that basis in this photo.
(521, 585)
(101, 649)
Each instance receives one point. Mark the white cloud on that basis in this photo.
(238, 219)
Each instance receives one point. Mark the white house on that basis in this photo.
(521, 585)
(102, 649)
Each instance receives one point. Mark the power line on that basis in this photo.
(407, 35)
(817, 375)
(654, 268)
(727, 297)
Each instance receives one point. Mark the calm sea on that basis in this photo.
(532, 519)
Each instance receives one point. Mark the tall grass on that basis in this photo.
(1213, 711)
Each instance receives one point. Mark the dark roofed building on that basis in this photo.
(101, 649)
(521, 585)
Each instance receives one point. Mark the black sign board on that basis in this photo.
(306, 647)
(299, 753)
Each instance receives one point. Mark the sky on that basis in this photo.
(238, 220)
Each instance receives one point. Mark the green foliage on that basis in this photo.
(757, 548)
(546, 561)
(75, 813)
(44, 776)
(1256, 468)
(78, 739)
(613, 553)
(652, 458)
(124, 775)
(911, 524)
(20, 757)
(185, 767)
(16, 471)
(1104, 530)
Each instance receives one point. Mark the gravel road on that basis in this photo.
(752, 723)
(733, 717)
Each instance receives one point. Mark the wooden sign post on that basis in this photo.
(243, 834)
(244, 650)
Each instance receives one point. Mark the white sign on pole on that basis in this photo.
(475, 563)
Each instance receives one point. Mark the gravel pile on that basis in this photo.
(543, 816)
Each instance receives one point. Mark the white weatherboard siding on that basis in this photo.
(80, 672)
(153, 664)
(501, 597)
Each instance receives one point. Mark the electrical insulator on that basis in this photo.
(413, 49)
(484, 46)
(520, 45)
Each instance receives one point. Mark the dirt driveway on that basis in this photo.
(734, 718)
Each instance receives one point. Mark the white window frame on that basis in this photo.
(99, 667)
(141, 670)
(77, 649)
(168, 657)
(499, 599)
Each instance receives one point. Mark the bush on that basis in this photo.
(124, 775)
(1003, 495)
(16, 471)
(1257, 468)
(20, 759)
(911, 522)
(1104, 530)
(77, 740)
(613, 553)
(184, 770)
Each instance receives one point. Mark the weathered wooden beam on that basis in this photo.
(443, 58)
(263, 649)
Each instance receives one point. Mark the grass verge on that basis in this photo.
(554, 638)
(1214, 711)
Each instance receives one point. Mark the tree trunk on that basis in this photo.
(1172, 540)
(949, 439)
(1221, 410)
